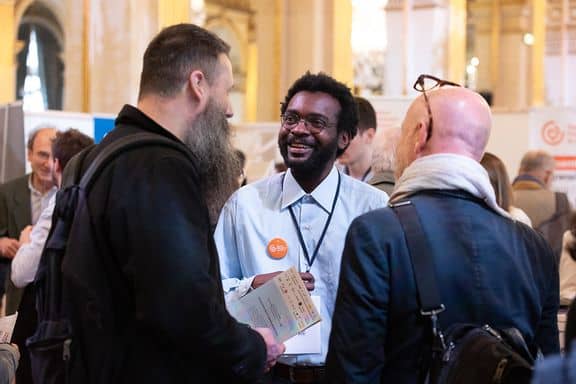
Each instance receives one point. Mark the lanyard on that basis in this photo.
(301, 239)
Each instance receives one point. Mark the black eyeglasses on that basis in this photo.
(426, 83)
(315, 123)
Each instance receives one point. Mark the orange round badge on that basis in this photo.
(277, 248)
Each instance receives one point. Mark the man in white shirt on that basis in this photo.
(306, 209)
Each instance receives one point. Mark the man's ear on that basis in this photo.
(548, 177)
(370, 133)
(421, 137)
(343, 140)
(197, 82)
(57, 166)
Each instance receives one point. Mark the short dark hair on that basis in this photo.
(366, 114)
(68, 143)
(174, 53)
(348, 116)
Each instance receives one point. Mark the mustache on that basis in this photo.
(300, 141)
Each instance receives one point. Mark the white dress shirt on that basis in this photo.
(25, 263)
(258, 213)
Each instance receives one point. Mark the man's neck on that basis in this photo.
(308, 181)
(165, 112)
(41, 186)
(359, 168)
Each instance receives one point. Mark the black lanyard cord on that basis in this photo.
(301, 238)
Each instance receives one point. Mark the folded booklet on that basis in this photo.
(282, 304)
(7, 327)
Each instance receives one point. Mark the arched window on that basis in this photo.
(39, 78)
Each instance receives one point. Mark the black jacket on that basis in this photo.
(166, 320)
(490, 270)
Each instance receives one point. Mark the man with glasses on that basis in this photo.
(306, 210)
(489, 268)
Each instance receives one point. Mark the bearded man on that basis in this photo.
(151, 210)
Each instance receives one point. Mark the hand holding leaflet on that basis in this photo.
(282, 304)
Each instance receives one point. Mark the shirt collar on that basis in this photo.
(323, 194)
(525, 177)
(36, 192)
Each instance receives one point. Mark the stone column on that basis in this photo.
(315, 37)
(8, 31)
(172, 12)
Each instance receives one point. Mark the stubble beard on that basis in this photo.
(218, 165)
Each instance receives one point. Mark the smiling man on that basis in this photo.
(307, 209)
(21, 202)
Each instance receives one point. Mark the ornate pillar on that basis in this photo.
(315, 36)
(172, 12)
(341, 58)
(8, 30)
(538, 11)
(456, 52)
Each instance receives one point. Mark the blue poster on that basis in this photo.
(102, 126)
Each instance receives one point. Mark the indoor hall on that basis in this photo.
(76, 63)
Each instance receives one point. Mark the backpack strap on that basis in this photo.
(424, 272)
(124, 144)
(418, 247)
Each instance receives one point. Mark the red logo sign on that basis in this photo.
(552, 134)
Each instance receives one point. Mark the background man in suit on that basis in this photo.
(549, 211)
(21, 202)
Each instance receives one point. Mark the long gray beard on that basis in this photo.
(218, 166)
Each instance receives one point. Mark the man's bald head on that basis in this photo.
(461, 124)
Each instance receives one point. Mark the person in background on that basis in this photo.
(21, 202)
(242, 179)
(65, 145)
(384, 146)
(32, 238)
(501, 184)
(357, 158)
(299, 217)
(549, 211)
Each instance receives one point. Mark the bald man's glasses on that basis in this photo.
(426, 83)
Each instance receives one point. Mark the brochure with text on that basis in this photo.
(282, 304)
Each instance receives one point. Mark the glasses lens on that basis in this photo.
(290, 119)
(316, 123)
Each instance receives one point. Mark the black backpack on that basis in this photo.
(462, 353)
(72, 255)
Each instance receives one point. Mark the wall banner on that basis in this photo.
(554, 130)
